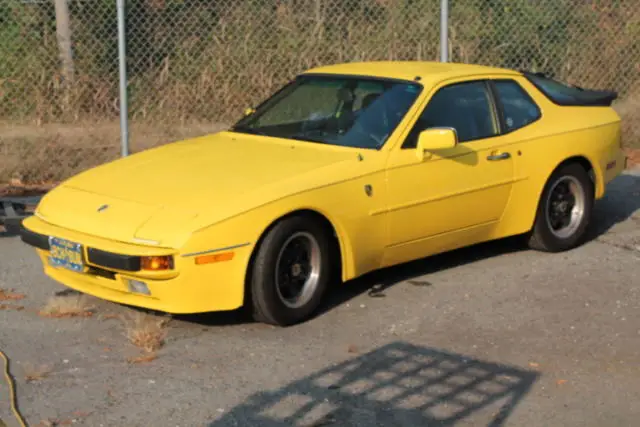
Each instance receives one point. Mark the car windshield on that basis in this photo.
(345, 111)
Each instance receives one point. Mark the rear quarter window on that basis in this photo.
(518, 109)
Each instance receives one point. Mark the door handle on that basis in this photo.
(501, 156)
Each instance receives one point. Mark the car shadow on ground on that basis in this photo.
(375, 283)
(399, 384)
(621, 201)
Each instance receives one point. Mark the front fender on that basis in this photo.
(345, 206)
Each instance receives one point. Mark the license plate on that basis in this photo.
(66, 254)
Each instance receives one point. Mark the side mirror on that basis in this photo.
(435, 139)
(249, 111)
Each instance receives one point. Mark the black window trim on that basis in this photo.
(496, 107)
(493, 106)
(500, 106)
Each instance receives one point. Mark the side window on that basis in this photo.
(518, 108)
(466, 107)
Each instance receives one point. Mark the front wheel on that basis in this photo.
(564, 210)
(291, 272)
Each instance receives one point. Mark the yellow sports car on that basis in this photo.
(347, 169)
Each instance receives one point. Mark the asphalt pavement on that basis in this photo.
(491, 335)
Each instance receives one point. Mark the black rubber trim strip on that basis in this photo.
(113, 261)
(37, 240)
(96, 257)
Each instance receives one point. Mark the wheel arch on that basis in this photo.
(339, 240)
(575, 159)
(586, 164)
(538, 237)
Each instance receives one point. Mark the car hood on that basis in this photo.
(162, 194)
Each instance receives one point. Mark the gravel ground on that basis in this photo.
(490, 335)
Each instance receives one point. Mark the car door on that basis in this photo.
(456, 196)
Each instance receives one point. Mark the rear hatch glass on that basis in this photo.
(564, 94)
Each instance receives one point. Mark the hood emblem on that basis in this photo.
(103, 208)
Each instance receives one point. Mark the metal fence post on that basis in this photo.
(444, 30)
(122, 58)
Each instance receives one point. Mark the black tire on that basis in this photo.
(542, 236)
(267, 302)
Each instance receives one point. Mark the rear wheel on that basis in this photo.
(564, 210)
(291, 271)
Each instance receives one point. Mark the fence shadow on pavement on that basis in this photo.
(399, 384)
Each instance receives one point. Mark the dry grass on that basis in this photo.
(16, 188)
(10, 295)
(109, 316)
(11, 307)
(34, 373)
(629, 110)
(633, 154)
(179, 87)
(146, 332)
(37, 157)
(145, 358)
(68, 306)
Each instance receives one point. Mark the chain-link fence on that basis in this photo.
(194, 65)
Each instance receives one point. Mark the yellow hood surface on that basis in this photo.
(165, 193)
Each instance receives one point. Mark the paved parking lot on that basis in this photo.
(486, 336)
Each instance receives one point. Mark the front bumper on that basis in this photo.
(189, 288)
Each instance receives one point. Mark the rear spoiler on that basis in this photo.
(595, 98)
(572, 95)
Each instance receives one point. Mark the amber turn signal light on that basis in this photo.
(208, 259)
(156, 263)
